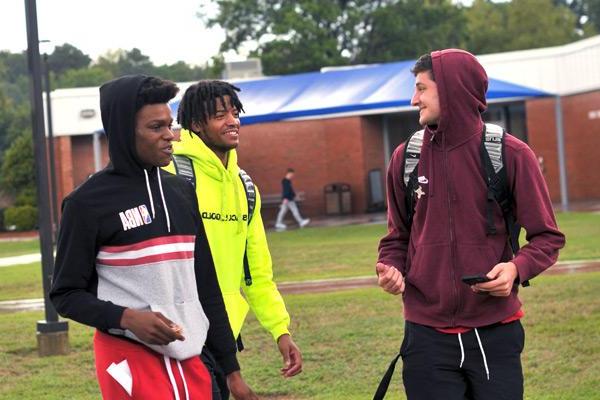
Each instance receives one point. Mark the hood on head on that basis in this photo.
(462, 86)
(118, 109)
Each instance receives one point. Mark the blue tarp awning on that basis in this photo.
(345, 90)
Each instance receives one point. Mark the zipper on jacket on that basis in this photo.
(451, 231)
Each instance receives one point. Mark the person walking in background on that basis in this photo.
(230, 204)
(133, 259)
(449, 250)
(288, 202)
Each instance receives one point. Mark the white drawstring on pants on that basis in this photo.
(172, 378)
(462, 353)
(487, 371)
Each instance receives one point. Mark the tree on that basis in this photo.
(587, 12)
(180, 72)
(13, 76)
(295, 36)
(123, 62)
(496, 27)
(18, 167)
(486, 27)
(14, 119)
(83, 77)
(411, 28)
(66, 57)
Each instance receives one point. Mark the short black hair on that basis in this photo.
(155, 91)
(290, 170)
(199, 102)
(424, 64)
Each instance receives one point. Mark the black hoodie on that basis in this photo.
(121, 246)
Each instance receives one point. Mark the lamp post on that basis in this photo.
(53, 194)
(52, 334)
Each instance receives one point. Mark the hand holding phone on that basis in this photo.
(474, 279)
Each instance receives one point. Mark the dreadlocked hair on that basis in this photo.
(199, 102)
(155, 91)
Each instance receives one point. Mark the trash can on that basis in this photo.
(338, 199)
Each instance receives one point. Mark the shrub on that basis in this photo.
(23, 218)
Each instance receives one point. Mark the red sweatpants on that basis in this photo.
(149, 372)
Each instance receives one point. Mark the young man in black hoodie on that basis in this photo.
(133, 260)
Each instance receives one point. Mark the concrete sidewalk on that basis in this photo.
(18, 260)
(325, 285)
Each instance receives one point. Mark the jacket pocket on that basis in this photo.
(429, 273)
(194, 323)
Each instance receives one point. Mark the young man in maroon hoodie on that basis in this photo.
(461, 341)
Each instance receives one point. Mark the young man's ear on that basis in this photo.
(196, 127)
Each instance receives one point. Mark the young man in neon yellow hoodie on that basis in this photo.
(209, 115)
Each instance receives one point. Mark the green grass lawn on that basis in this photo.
(19, 247)
(347, 339)
(335, 252)
(21, 282)
(318, 253)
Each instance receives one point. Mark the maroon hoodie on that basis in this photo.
(448, 236)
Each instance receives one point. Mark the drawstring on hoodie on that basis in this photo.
(162, 197)
(462, 353)
(149, 193)
(167, 361)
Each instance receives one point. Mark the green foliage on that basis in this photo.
(82, 77)
(17, 165)
(24, 218)
(306, 35)
(411, 28)
(66, 57)
(495, 27)
(13, 121)
(587, 13)
(26, 197)
(303, 35)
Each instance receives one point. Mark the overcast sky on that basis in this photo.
(165, 30)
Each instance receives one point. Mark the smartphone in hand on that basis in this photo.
(474, 279)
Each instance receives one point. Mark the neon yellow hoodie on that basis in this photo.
(224, 209)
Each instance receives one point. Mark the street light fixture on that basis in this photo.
(52, 334)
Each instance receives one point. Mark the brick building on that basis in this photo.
(341, 125)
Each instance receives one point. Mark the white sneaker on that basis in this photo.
(280, 227)
(304, 222)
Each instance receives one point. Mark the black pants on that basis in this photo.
(220, 391)
(431, 363)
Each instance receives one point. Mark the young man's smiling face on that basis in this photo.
(221, 131)
(153, 135)
(426, 98)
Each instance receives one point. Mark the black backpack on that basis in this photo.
(494, 170)
(185, 169)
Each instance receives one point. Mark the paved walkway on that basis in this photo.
(325, 285)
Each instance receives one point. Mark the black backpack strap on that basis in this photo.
(250, 190)
(412, 153)
(492, 157)
(385, 381)
(184, 168)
